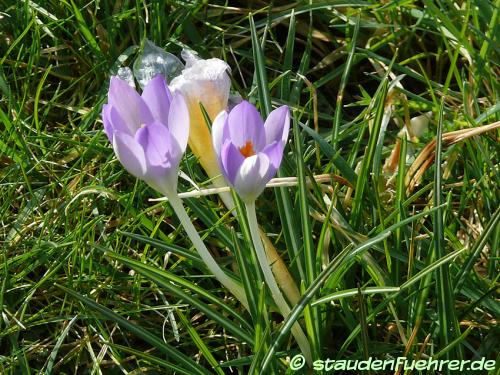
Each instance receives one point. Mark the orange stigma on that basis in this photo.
(247, 150)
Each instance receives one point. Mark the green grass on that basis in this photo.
(95, 278)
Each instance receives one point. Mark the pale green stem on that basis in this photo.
(271, 282)
(236, 289)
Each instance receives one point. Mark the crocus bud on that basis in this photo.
(149, 132)
(250, 151)
(205, 82)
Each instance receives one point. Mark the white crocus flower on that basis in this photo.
(205, 82)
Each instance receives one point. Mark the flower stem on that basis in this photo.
(271, 282)
(236, 289)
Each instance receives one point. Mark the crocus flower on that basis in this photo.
(206, 82)
(149, 132)
(250, 151)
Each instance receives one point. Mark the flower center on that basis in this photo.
(247, 150)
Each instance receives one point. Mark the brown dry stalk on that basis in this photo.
(280, 271)
(426, 157)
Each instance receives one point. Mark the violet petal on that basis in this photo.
(274, 152)
(178, 120)
(130, 153)
(106, 119)
(245, 124)
(231, 161)
(157, 96)
(156, 141)
(129, 104)
(113, 122)
(277, 125)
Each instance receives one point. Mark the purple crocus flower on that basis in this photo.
(250, 151)
(149, 132)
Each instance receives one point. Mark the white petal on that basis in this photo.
(251, 178)
(206, 82)
(218, 131)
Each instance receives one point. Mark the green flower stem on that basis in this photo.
(271, 282)
(280, 271)
(236, 289)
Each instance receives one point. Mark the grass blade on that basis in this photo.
(165, 279)
(448, 325)
(345, 256)
(184, 365)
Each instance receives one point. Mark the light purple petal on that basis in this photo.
(157, 97)
(159, 146)
(106, 119)
(129, 104)
(277, 125)
(113, 122)
(274, 152)
(245, 125)
(163, 155)
(130, 154)
(231, 161)
(178, 120)
(251, 178)
(218, 131)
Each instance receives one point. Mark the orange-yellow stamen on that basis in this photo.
(247, 150)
